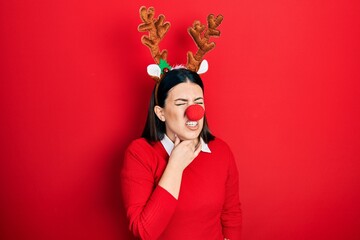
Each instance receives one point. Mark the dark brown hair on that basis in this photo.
(154, 129)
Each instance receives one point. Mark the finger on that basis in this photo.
(197, 143)
(197, 149)
(189, 144)
(177, 140)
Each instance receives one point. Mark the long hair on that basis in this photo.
(154, 129)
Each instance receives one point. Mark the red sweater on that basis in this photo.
(208, 206)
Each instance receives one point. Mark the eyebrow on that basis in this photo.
(185, 100)
(181, 99)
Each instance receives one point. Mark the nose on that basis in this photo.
(194, 112)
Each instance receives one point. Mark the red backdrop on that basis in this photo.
(282, 89)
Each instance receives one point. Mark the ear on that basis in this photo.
(204, 66)
(154, 70)
(159, 111)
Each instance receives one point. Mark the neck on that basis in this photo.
(172, 138)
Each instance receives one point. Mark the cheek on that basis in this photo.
(175, 114)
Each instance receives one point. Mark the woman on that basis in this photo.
(178, 180)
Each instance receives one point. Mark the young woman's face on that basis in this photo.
(179, 98)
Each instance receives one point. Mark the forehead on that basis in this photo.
(185, 90)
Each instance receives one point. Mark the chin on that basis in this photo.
(190, 136)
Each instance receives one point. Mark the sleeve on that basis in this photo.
(148, 206)
(231, 217)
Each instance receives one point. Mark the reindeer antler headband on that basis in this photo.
(157, 29)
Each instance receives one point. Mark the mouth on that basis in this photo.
(192, 124)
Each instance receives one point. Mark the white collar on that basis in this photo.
(169, 145)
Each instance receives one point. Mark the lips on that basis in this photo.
(191, 123)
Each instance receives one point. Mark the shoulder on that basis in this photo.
(140, 146)
(140, 142)
(142, 152)
(219, 145)
(221, 150)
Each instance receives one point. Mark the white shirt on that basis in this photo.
(169, 145)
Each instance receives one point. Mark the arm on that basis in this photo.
(150, 207)
(231, 213)
(181, 156)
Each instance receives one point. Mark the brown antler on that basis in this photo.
(157, 30)
(201, 36)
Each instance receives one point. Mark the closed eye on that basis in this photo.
(199, 100)
(180, 101)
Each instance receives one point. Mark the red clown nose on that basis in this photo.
(194, 112)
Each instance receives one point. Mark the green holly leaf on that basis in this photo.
(163, 64)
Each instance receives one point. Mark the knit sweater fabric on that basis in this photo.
(208, 205)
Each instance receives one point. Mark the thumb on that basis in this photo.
(197, 149)
(177, 140)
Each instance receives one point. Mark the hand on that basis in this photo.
(184, 153)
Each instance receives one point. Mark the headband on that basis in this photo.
(157, 29)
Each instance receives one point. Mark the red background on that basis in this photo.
(282, 89)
